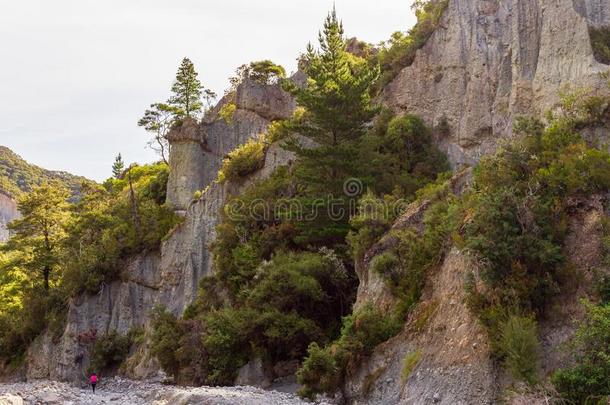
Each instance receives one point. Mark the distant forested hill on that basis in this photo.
(18, 176)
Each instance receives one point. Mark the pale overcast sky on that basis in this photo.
(75, 75)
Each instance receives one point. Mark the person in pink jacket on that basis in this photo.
(93, 381)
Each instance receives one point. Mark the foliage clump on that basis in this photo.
(408, 365)
(323, 369)
(292, 300)
(109, 351)
(588, 380)
(520, 347)
(227, 111)
(263, 72)
(600, 42)
(244, 160)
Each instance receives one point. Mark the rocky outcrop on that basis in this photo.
(169, 278)
(8, 213)
(493, 60)
(447, 348)
(198, 150)
(188, 163)
(121, 305)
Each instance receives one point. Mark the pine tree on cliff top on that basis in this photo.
(337, 103)
(187, 90)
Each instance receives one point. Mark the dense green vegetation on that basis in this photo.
(285, 282)
(515, 221)
(61, 248)
(600, 42)
(109, 351)
(244, 160)
(588, 381)
(287, 248)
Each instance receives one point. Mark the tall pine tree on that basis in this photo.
(337, 103)
(40, 230)
(187, 91)
(337, 107)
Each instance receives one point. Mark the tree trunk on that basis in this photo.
(134, 208)
(47, 274)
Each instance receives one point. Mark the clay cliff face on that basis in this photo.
(493, 60)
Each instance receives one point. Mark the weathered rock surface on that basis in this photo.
(169, 278)
(267, 101)
(453, 366)
(8, 213)
(493, 60)
(454, 363)
(198, 150)
(121, 306)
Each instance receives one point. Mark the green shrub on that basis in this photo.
(244, 160)
(319, 372)
(165, 340)
(226, 112)
(386, 264)
(323, 370)
(520, 346)
(588, 381)
(109, 351)
(600, 42)
(373, 219)
(401, 156)
(408, 365)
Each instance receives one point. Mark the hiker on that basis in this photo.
(93, 381)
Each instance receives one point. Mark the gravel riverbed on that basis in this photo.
(123, 392)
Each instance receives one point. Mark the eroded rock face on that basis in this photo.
(8, 213)
(493, 60)
(186, 256)
(169, 278)
(448, 348)
(186, 159)
(198, 149)
(266, 100)
(121, 306)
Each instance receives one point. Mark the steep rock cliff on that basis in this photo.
(449, 349)
(493, 60)
(170, 277)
